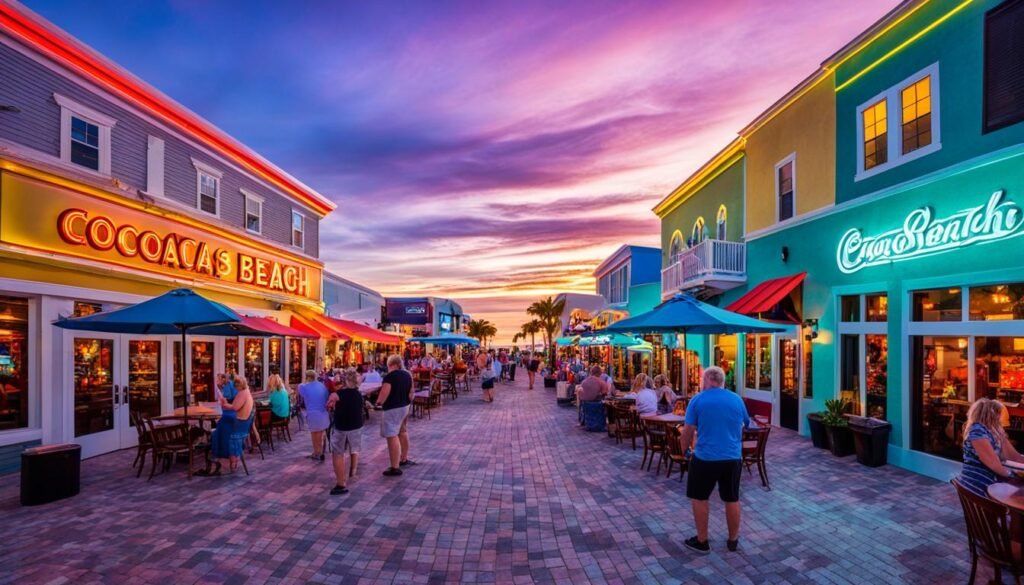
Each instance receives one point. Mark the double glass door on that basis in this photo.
(113, 376)
(789, 383)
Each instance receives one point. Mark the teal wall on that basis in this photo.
(812, 248)
(725, 189)
(643, 298)
(956, 44)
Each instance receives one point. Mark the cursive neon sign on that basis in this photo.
(922, 234)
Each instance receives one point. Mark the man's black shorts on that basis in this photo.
(487, 384)
(705, 474)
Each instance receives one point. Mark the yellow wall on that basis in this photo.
(806, 127)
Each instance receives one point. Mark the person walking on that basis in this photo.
(532, 366)
(314, 399)
(488, 374)
(395, 396)
(717, 417)
(347, 405)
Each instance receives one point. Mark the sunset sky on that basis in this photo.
(493, 152)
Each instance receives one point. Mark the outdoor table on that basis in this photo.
(369, 388)
(1010, 495)
(667, 418)
(422, 394)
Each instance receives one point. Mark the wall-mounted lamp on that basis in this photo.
(811, 324)
(785, 253)
(9, 108)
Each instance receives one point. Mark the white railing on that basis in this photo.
(702, 262)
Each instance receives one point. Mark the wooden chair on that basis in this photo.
(145, 440)
(461, 380)
(675, 452)
(168, 442)
(283, 428)
(988, 534)
(254, 437)
(626, 424)
(654, 443)
(423, 379)
(754, 442)
(263, 426)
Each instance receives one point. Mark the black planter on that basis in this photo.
(840, 441)
(819, 437)
(871, 440)
(550, 382)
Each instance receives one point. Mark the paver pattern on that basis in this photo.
(509, 492)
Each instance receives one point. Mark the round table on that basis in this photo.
(1008, 494)
(667, 418)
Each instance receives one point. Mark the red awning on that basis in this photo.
(766, 295)
(360, 332)
(271, 327)
(317, 329)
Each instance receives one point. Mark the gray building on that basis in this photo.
(349, 300)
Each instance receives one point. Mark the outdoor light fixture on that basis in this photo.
(785, 253)
(811, 324)
(11, 109)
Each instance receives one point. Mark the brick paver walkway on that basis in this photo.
(510, 492)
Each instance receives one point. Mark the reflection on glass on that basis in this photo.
(750, 366)
(725, 358)
(849, 370)
(941, 304)
(877, 307)
(808, 371)
(876, 374)
(274, 357)
(254, 363)
(179, 378)
(311, 354)
(13, 363)
(764, 369)
(94, 386)
(940, 380)
(1002, 302)
(999, 372)
(788, 366)
(202, 371)
(294, 361)
(231, 355)
(849, 308)
(144, 377)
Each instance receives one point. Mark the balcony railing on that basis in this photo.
(715, 264)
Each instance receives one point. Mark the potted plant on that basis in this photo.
(819, 436)
(837, 428)
(871, 439)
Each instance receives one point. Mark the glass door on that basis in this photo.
(201, 370)
(143, 385)
(789, 383)
(97, 394)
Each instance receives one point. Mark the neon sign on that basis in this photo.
(923, 235)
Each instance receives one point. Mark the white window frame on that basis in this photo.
(70, 108)
(250, 196)
(894, 112)
(697, 236)
(722, 221)
(291, 229)
(790, 158)
(205, 169)
(860, 328)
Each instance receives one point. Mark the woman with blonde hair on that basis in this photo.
(986, 447)
(666, 396)
(640, 382)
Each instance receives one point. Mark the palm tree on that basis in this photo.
(549, 312)
(481, 329)
(531, 328)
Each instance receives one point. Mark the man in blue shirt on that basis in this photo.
(717, 416)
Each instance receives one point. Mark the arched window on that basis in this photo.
(720, 233)
(675, 247)
(699, 233)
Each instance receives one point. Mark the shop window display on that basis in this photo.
(725, 358)
(295, 361)
(876, 308)
(144, 377)
(876, 374)
(758, 367)
(254, 363)
(940, 386)
(311, 354)
(940, 304)
(274, 355)
(849, 307)
(999, 370)
(202, 371)
(231, 355)
(14, 363)
(94, 385)
(849, 370)
(1002, 302)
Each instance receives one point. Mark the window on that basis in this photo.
(675, 247)
(84, 135)
(614, 286)
(82, 309)
(876, 307)
(1003, 75)
(699, 232)
(14, 363)
(914, 105)
(876, 135)
(864, 353)
(758, 374)
(916, 102)
(849, 307)
(939, 304)
(253, 212)
(1001, 302)
(298, 228)
(785, 187)
(207, 188)
(720, 233)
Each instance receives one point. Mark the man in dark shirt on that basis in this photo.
(347, 405)
(396, 394)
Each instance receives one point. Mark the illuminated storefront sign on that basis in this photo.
(922, 234)
(408, 312)
(46, 218)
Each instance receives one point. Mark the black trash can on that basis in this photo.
(871, 440)
(819, 436)
(50, 473)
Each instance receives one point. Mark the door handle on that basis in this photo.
(124, 394)
(117, 394)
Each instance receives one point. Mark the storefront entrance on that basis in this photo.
(789, 382)
(113, 376)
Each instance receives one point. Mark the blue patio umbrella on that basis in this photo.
(450, 339)
(602, 338)
(178, 311)
(567, 341)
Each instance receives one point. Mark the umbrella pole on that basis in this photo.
(185, 385)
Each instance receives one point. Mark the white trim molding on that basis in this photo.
(155, 166)
(69, 108)
(894, 124)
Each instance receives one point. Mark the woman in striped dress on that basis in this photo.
(986, 447)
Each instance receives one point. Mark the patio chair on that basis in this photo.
(145, 440)
(988, 534)
(754, 441)
(461, 380)
(626, 424)
(263, 417)
(593, 415)
(654, 444)
(423, 379)
(675, 452)
(283, 428)
(168, 442)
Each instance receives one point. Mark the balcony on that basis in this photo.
(709, 268)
